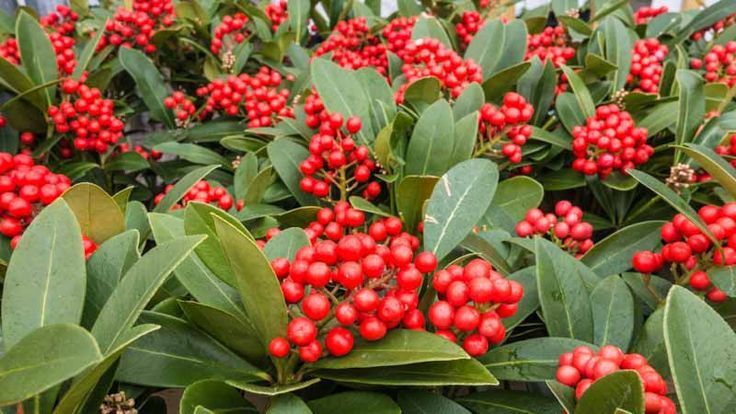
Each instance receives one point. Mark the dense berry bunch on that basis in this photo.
(504, 129)
(148, 155)
(135, 28)
(62, 21)
(728, 150)
(690, 253)
(429, 57)
(646, 65)
(646, 14)
(64, 49)
(202, 192)
(398, 34)
(565, 227)
(230, 32)
(87, 117)
(609, 141)
(468, 26)
(336, 160)
(719, 64)
(25, 188)
(182, 107)
(353, 46)
(9, 50)
(553, 44)
(259, 97)
(277, 13)
(472, 302)
(583, 366)
(350, 283)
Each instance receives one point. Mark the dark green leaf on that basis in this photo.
(150, 83)
(428, 27)
(466, 134)
(468, 102)
(504, 80)
(423, 402)
(193, 153)
(216, 396)
(613, 254)
(622, 389)
(691, 109)
(182, 187)
(497, 46)
(286, 155)
(507, 402)
(97, 213)
(412, 192)
(286, 244)
(288, 404)
(458, 372)
(613, 313)
(36, 53)
(355, 401)
(580, 92)
(427, 153)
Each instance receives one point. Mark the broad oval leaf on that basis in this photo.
(428, 27)
(650, 342)
(468, 372)
(498, 46)
(355, 401)
(613, 254)
(97, 213)
(466, 134)
(613, 313)
(458, 201)
(619, 390)
(411, 194)
(502, 401)
(288, 404)
(150, 83)
(286, 155)
(468, 102)
(517, 195)
(46, 276)
(43, 359)
(423, 402)
(427, 153)
(717, 166)
(36, 53)
(271, 390)
(214, 395)
(701, 349)
(691, 108)
(725, 279)
(286, 244)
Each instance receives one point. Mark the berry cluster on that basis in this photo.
(24, 189)
(9, 50)
(565, 227)
(62, 21)
(690, 253)
(472, 302)
(135, 28)
(645, 14)
(353, 46)
(429, 57)
(720, 64)
(203, 192)
(583, 366)
(716, 28)
(277, 13)
(398, 34)
(336, 160)
(350, 283)
(609, 141)
(728, 151)
(468, 26)
(255, 97)
(87, 117)
(230, 32)
(646, 65)
(64, 49)
(148, 155)
(505, 127)
(553, 44)
(182, 107)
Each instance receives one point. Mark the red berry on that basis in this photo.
(279, 347)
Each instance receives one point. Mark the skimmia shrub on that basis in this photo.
(322, 206)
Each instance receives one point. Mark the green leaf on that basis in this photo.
(298, 12)
(504, 80)
(562, 292)
(105, 269)
(13, 79)
(216, 396)
(362, 204)
(423, 402)
(660, 118)
(724, 278)
(650, 342)
(127, 161)
(529, 302)
(271, 390)
(423, 92)
(90, 48)
(564, 179)
(398, 347)
(150, 83)
(45, 281)
(286, 244)
(259, 288)
(286, 155)
(558, 139)
(428, 27)
(233, 330)
(355, 401)
(717, 166)
(477, 243)
(613, 313)
(706, 18)
(528, 360)
(36, 53)
(408, 8)
(563, 394)
(97, 213)
(178, 355)
(458, 201)
(244, 174)
(538, 87)
(83, 386)
(619, 390)
(569, 111)
(288, 404)
(503, 402)
(258, 186)
(182, 187)
(701, 348)
(412, 192)
(613, 254)
(137, 288)
(45, 358)
(467, 372)
(338, 90)
(498, 46)
(193, 153)
(580, 92)
(691, 108)
(427, 153)
(517, 195)
(192, 273)
(466, 134)
(619, 41)
(468, 102)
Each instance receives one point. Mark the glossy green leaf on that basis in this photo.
(468, 102)
(660, 118)
(716, 165)
(701, 348)
(613, 313)
(504, 80)
(724, 278)
(398, 347)
(423, 402)
(298, 12)
(564, 179)
(691, 109)
(16, 81)
(562, 292)
(44, 358)
(272, 390)
(619, 390)
(178, 355)
(137, 288)
(286, 244)
(619, 41)
(556, 138)
(355, 401)
(286, 155)
(458, 201)
(182, 187)
(150, 83)
(538, 87)
(193, 153)
(497, 46)
(517, 195)
(288, 404)
(429, 27)
(427, 153)
(706, 18)
(479, 244)
(36, 53)
(259, 288)
(97, 213)
(503, 402)
(580, 91)
(650, 342)
(528, 360)
(563, 394)
(613, 254)
(89, 51)
(569, 111)
(216, 396)
(45, 281)
(412, 192)
(423, 92)
(466, 135)
(467, 372)
(529, 302)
